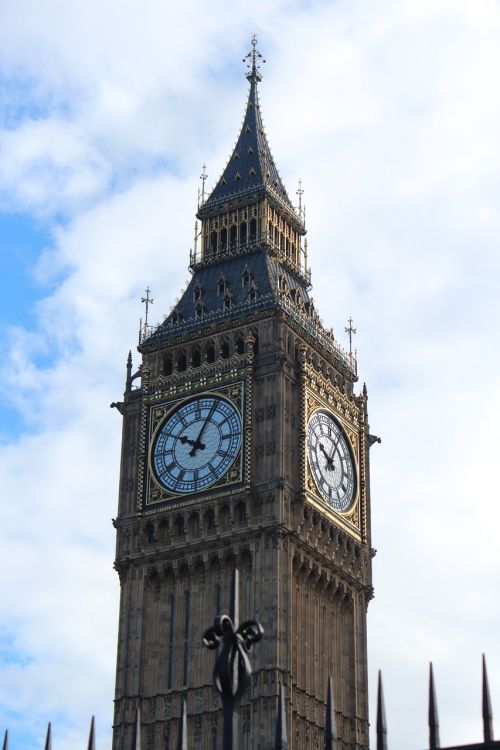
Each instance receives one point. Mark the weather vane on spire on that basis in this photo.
(253, 60)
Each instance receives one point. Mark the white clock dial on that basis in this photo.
(331, 461)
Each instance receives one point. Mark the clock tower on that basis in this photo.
(245, 443)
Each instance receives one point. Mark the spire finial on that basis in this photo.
(487, 715)
(253, 60)
(203, 178)
(350, 331)
(300, 193)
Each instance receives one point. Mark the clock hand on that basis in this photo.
(184, 439)
(197, 443)
(329, 459)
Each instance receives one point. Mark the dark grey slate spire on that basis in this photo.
(330, 723)
(251, 170)
(182, 738)
(281, 737)
(91, 745)
(5, 745)
(381, 720)
(487, 715)
(434, 742)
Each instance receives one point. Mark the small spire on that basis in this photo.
(381, 720)
(434, 742)
(281, 737)
(487, 714)
(136, 732)
(5, 745)
(253, 60)
(91, 745)
(182, 739)
(330, 723)
(48, 739)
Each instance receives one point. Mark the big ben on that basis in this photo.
(245, 443)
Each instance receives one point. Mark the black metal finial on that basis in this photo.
(136, 732)
(253, 60)
(281, 736)
(330, 723)
(434, 741)
(182, 738)
(232, 669)
(91, 745)
(5, 745)
(381, 720)
(487, 714)
(48, 739)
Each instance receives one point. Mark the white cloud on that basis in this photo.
(390, 114)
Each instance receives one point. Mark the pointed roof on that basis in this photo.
(251, 170)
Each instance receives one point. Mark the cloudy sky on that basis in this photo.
(389, 111)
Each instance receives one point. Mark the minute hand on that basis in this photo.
(197, 443)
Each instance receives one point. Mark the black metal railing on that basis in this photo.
(232, 677)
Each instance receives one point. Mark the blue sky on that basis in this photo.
(389, 113)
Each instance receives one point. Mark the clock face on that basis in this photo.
(331, 462)
(196, 444)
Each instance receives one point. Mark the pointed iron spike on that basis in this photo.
(330, 723)
(487, 714)
(136, 732)
(434, 742)
(91, 745)
(48, 739)
(281, 736)
(234, 598)
(5, 745)
(182, 739)
(381, 720)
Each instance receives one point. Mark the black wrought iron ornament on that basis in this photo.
(232, 671)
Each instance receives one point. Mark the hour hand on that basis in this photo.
(329, 459)
(194, 443)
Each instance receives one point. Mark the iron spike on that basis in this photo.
(381, 720)
(48, 740)
(487, 714)
(6, 740)
(281, 737)
(182, 738)
(136, 733)
(91, 745)
(234, 610)
(434, 742)
(330, 723)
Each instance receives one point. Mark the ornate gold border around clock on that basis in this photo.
(240, 374)
(154, 493)
(319, 393)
